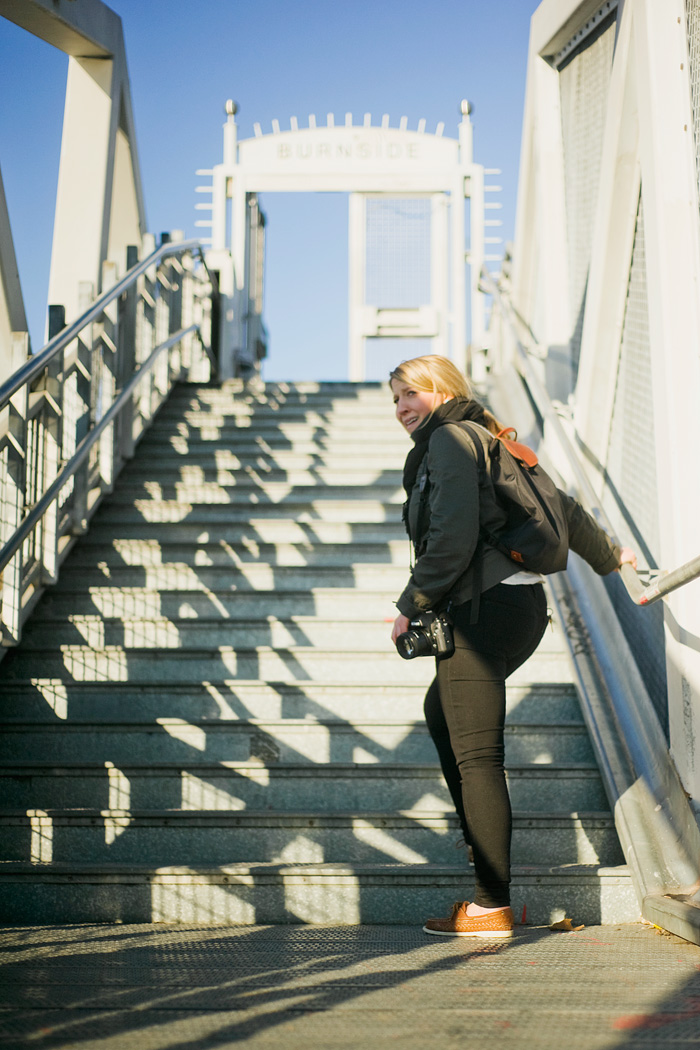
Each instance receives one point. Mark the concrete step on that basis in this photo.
(375, 416)
(271, 531)
(221, 837)
(212, 445)
(46, 632)
(46, 700)
(258, 492)
(98, 633)
(324, 433)
(305, 513)
(322, 407)
(343, 894)
(172, 456)
(207, 399)
(180, 470)
(293, 663)
(291, 740)
(282, 389)
(251, 576)
(118, 552)
(141, 603)
(191, 634)
(282, 787)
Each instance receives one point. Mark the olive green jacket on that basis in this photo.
(449, 531)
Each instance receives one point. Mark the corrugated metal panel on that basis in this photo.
(692, 8)
(631, 459)
(631, 497)
(584, 83)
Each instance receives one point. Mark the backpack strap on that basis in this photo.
(422, 509)
(478, 557)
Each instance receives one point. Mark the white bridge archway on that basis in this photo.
(374, 165)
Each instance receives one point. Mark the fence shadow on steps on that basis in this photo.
(168, 598)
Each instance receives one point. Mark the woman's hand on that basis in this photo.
(401, 625)
(628, 557)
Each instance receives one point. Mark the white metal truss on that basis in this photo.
(99, 203)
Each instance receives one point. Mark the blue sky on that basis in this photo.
(277, 58)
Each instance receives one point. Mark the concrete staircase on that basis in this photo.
(206, 720)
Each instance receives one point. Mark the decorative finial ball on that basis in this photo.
(231, 107)
(466, 107)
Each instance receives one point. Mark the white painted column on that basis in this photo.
(356, 286)
(225, 177)
(239, 237)
(459, 304)
(439, 271)
(477, 300)
(82, 181)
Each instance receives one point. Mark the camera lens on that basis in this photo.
(413, 644)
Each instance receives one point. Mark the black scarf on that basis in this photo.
(453, 411)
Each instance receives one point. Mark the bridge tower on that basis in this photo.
(409, 236)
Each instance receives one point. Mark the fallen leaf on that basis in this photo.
(565, 926)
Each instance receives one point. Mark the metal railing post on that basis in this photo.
(49, 437)
(12, 491)
(126, 357)
(82, 410)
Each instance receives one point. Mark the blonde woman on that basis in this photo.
(465, 705)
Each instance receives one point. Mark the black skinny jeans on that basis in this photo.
(465, 710)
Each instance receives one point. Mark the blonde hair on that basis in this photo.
(435, 373)
(439, 375)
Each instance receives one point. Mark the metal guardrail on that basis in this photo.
(71, 415)
(664, 582)
(656, 825)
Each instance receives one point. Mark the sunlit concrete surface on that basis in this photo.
(149, 987)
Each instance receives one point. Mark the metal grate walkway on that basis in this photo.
(339, 988)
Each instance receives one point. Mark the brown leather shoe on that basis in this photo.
(495, 924)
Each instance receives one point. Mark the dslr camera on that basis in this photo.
(428, 635)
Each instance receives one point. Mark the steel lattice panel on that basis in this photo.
(583, 83)
(398, 252)
(631, 497)
(631, 459)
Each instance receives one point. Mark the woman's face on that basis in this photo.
(412, 406)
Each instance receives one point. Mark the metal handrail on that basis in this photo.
(25, 527)
(108, 378)
(665, 582)
(35, 365)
